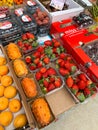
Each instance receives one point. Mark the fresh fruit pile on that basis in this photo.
(27, 42)
(36, 60)
(48, 79)
(9, 103)
(41, 17)
(81, 86)
(65, 65)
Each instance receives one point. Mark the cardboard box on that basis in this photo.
(73, 10)
(60, 101)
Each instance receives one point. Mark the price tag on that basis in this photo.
(58, 4)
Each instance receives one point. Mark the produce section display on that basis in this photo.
(10, 103)
(30, 73)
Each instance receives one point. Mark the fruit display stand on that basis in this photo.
(73, 10)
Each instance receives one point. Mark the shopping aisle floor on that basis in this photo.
(82, 117)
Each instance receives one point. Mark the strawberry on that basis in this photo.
(69, 82)
(63, 72)
(38, 75)
(46, 60)
(36, 61)
(28, 59)
(88, 82)
(29, 47)
(57, 83)
(26, 44)
(29, 35)
(40, 49)
(51, 71)
(58, 61)
(24, 37)
(24, 49)
(43, 70)
(48, 43)
(62, 63)
(80, 96)
(45, 75)
(52, 79)
(56, 44)
(42, 55)
(62, 55)
(20, 44)
(36, 54)
(39, 64)
(32, 66)
(87, 92)
(75, 89)
(54, 40)
(54, 50)
(81, 84)
(82, 77)
(46, 83)
(51, 86)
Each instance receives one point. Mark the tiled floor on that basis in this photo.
(82, 117)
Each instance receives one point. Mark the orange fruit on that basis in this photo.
(6, 80)
(6, 118)
(15, 105)
(3, 103)
(3, 70)
(1, 127)
(20, 121)
(2, 60)
(10, 92)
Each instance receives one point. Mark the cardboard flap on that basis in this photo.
(60, 101)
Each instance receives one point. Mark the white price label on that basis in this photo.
(5, 25)
(58, 4)
(31, 3)
(19, 12)
(2, 16)
(26, 18)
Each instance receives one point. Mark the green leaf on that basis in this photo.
(73, 69)
(35, 44)
(44, 90)
(58, 50)
(81, 97)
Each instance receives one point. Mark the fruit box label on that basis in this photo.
(26, 18)
(31, 3)
(2, 15)
(19, 12)
(58, 4)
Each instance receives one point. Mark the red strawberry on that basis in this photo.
(43, 70)
(26, 44)
(30, 35)
(54, 40)
(32, 67)
(62, 55)
(80, 96)
(56, 44)
(58, 61)
(45, 75)
(57, 83)
(88, 82)
(46, 83)
(69, 58)
(81, 84)
(75, 89)
(24, 37)
(51, 71)
(48, 43)
(87, 92)
(38, 75)
(63, 72)
(42, 55)
(46, 60)
(51, 86)
(36, 54)
(28, 59)
(69, 82)
(24, 49)
(39, 64)
(40, 49)
(36, 61)
(82, 77)
(52, 79)
(20, 44)
(62, 63)
(54, 50)
(29, 47)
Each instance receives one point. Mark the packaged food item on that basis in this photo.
(28, 42)
(18, 2)
(9, 31)
(31, 6)
(43, 22)
(83, 20)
